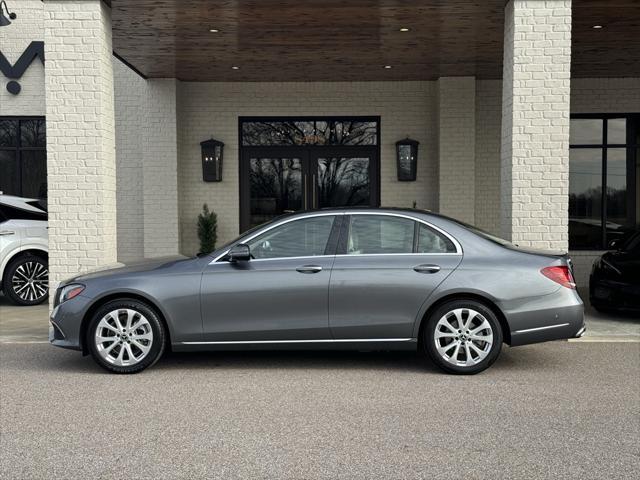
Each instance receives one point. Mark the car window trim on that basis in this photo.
(347, 223)
(219, 258)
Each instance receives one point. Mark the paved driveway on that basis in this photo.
(556, 410)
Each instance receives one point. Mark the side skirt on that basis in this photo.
(328, 344)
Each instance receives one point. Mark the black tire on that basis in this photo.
(429, 343)
(18, 293)
(157, 343)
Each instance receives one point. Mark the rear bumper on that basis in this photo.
(557, 316)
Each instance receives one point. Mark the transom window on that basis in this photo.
(309, 131)
(603, 179)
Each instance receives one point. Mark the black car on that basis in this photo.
(614, 283)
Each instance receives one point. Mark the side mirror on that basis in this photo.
(239, 253)
(614, 244)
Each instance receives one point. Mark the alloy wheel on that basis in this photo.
(463, 337)
(30, 281)
(123, 337)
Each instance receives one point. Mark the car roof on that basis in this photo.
(346, 210)
(20, 202)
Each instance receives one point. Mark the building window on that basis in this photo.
(23, 157)
(603, 179)
(306, 163)
(309, 131)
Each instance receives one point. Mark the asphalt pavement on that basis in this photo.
(555, 410)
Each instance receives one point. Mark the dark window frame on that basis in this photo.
(18, 148)
(305, 152)
(633, 126)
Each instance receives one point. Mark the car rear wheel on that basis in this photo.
(126, 336)
(462, 337)
(26, 280)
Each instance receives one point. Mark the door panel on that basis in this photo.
(266, 300)
(387, 267)
(281, 293)
(379, 296)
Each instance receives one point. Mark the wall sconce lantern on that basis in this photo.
(407, 157)
(212, 151)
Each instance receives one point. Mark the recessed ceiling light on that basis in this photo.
(235, 68)
(214, 30)
(387, 66)
(597, 27)
(404, 29)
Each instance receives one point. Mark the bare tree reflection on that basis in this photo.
(343, 181)
(309, 133)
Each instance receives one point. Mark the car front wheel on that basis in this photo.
(126, 336)
(26, 280)
(462, 337)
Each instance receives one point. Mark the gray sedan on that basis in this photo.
(345, 278)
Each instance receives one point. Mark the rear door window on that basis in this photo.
(380, 234)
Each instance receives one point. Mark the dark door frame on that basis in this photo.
(308, 155)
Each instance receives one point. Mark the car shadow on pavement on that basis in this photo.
(514, 360)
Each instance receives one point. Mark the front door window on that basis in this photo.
(307, 237)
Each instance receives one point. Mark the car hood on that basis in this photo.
(132, 267)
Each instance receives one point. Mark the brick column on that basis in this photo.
(80, 137)
(535, 123)
(160, 169)
(456, 146)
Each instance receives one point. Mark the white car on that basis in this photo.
(24, 270)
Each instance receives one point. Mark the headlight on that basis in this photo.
(610, 267)
(70, 291)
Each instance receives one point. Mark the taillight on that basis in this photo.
(560, 274)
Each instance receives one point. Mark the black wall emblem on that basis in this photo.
(35, 49)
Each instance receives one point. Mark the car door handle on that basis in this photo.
(309, 269)
(427, 268)
(6, 232)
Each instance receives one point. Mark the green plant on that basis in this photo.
(207, 230)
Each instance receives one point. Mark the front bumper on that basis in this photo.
(66, 323)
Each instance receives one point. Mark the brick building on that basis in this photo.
(527, 114)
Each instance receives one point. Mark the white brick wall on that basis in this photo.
(487, 163)
(159, 169)
(456, 146)
(129, 116)
(14, 40)
(212, 109)
(535, 126)
(80, 137)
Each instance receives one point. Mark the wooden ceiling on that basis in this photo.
(350, 40)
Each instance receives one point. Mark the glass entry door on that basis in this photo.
(274, 181)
